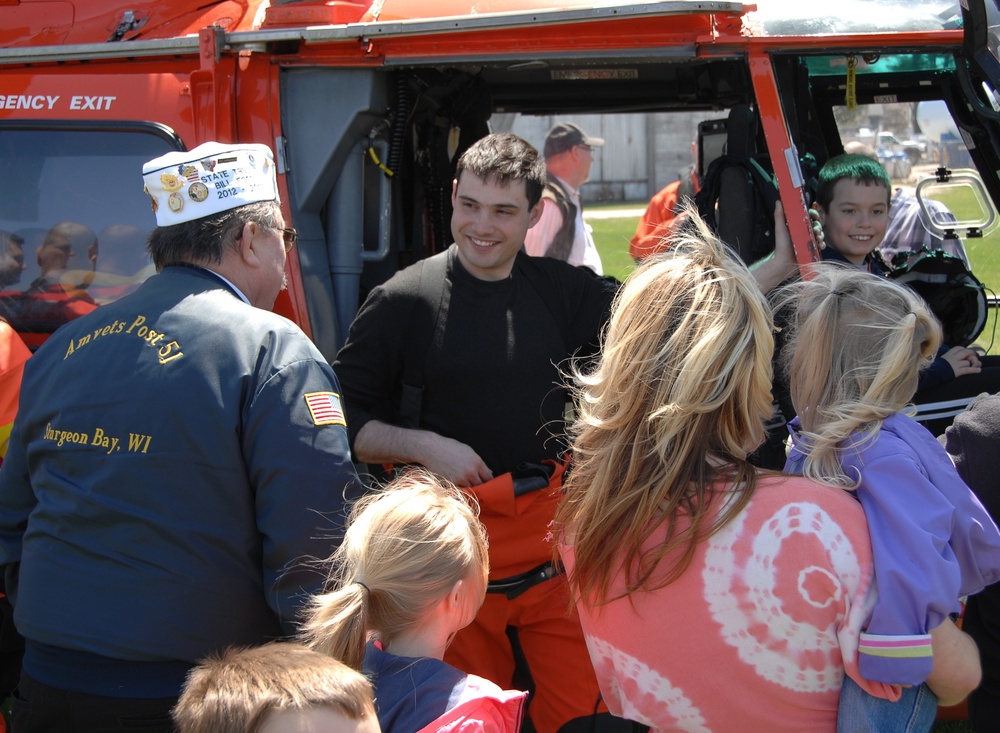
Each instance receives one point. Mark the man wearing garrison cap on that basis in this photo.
(561, 232)
(180, 457)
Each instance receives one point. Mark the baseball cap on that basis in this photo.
(565, 136)
(211, 178)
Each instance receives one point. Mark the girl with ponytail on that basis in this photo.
(409, 574)
(857, 345)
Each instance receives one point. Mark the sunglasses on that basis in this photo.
(289, 235)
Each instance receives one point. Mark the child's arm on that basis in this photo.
(780, 265)
(918, 579)
(957, 671)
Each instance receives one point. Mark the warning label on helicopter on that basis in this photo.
(96, 102)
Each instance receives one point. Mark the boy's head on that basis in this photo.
(852, 200)
(277, 688)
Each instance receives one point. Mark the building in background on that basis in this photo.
(642, 152)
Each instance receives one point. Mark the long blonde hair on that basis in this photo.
(405, 547)
(857, 344)
(676, 403)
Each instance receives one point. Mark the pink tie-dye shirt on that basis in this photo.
(757, 632)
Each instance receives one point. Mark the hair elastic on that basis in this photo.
(358, 582)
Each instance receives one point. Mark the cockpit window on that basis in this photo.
(73, 222)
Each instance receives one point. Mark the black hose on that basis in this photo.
(399, 123)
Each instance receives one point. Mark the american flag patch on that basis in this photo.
(325, 408)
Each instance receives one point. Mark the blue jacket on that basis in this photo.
(932, 541)
(428, 695)
(176, 462)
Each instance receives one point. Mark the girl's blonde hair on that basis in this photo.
(405, 547)
(857, 343)
(675, 404)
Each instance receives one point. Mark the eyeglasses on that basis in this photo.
(588, 148)
(290, 236)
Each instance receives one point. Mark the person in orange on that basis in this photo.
(658, 220)
(13, 355)
(454, 364)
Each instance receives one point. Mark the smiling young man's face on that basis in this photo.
(855, 222)
(488, 223)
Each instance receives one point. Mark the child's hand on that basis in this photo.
(819, 236)
(783, 240)
(963, 361)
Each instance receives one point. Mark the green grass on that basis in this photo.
(984, 256)
(984, 253)
(612, 236)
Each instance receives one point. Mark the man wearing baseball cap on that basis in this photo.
(180, 456)
(561, 232)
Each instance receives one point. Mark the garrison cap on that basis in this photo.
(211, 178)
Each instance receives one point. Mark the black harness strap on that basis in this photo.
(515, 585)
(426, 327)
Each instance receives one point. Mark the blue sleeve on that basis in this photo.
(299, 466)
(917, 574)
(939, 372)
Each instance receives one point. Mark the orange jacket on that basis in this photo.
(657, 221)
(13, 354)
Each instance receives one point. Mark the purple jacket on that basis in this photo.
(932, 541)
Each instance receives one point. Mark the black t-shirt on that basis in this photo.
(492, 379)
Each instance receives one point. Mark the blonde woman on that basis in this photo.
(409, 574)
(857, 346)
(714, 597)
